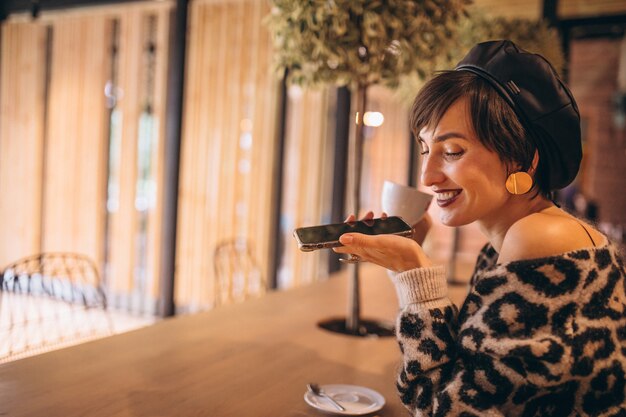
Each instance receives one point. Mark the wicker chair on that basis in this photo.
(50, 300)
(237, 274)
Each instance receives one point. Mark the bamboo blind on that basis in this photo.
(125, 219)
(307, 183)
(155, 218)
(75, 166)
(22, 139)
(62, 190)
(227, 158)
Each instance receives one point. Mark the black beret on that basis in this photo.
(544, 105)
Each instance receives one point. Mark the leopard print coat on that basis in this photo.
(540, 337)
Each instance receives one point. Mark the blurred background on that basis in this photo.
(156, 138)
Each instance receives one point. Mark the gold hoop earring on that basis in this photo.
(519, 183)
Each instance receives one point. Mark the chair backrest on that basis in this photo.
(50, 300)
(237, 273)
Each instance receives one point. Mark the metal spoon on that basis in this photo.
(316, 390)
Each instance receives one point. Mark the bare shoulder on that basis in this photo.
(541, 234)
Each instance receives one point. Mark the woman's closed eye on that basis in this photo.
(452, 150)
(453, 155)
(446, 154)
(449, 151)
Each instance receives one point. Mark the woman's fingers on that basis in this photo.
(368, 216)
(389, 251)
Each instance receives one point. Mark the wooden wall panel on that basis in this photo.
(581, 8)
(75, 168)
(526, 9)
(228, 143)
(533, 9)
(22, 85)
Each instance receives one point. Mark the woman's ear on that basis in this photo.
(534, 163)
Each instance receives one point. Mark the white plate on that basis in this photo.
(356, 400)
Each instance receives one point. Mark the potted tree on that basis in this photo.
(359, 43)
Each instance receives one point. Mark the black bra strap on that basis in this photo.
(588, 234)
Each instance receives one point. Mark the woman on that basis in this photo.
(543, 329)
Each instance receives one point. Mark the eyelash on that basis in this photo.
(447, 154)
(453, 154)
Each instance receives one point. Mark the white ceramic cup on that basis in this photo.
(404, 201)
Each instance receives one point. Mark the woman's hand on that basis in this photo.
(393, 252)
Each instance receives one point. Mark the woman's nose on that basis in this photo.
(431, 172)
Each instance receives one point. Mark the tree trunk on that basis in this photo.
(354, 305)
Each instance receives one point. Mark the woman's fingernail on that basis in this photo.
(346, 239)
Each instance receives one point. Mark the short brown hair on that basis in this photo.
(495, 123)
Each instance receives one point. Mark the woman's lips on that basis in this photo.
(445, 198)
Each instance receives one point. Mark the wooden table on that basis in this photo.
(251, 359)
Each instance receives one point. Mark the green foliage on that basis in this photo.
(532, 35)
(360, 42)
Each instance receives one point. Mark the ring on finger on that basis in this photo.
(351, 259)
